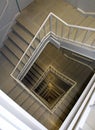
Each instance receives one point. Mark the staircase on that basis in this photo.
(23, 31)
(33, 75)
(28, 23)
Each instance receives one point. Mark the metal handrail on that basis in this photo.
(73, 26)
(49, 19)
(86, 12)
(32, 41)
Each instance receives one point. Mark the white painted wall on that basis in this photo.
(8, 13)
(13, 116)
(86, 5)
(24, 3)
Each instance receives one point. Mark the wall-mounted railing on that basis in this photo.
(62, 30)
(86, 13)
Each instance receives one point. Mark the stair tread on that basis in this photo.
(33, 24)
(22, 33)
(17, 51)
(65, 15)
(87, 23)
(9, 56)
(91, 39)
(30, 26)
(21, 44)
(13, 48)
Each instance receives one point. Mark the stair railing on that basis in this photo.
(62, 30)
(91, 13)
(34, 45)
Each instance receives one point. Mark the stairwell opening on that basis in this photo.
(55, 81)
(52, 77)
(50, 87)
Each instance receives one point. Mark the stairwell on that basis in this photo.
(28, 23)
(23, 31)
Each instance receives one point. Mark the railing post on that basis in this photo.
(93, 42)
(56, 26)
(62, 31)
(69, 32)
(76, 34)
(50, 22)
(86, 36)
(44, 30)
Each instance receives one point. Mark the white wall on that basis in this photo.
(13, 117)
(73, 2)
(85, 5)
(24, 3)
(8, 13)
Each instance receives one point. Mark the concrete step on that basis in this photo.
(15, 92)
(87, 21)
(27, 82)
(25, 35)
(38, 68)
(60, 7)
(9, 55)
(82, 33)
(28, 102)
(19, 47)
(91, 39)
(29, 25)
(16, 52)
(22, 33)
(33, 23)
(13, 48)
(75, 33)
(49, 120)
(21, 97)
(18, 41)
(29, 19)
(68, 18)
(60, 114)
(39, 113)
(32, 75)
(31, 80)
(66, 15)
(36, 105)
